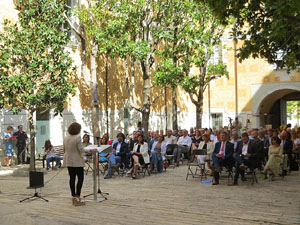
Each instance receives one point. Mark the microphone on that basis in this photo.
(86, 132)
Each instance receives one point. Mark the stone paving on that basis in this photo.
(165, 198)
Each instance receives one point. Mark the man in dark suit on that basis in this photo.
(246, 155)
(21, 144)
(118, 156)
(222, 155)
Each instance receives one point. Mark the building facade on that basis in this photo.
(262, 92)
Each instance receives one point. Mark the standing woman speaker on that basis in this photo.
(74, 161)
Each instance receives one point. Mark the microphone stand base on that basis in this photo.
(98, 192)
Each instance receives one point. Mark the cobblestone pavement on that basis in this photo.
(165, 198)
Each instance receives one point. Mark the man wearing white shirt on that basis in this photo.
(184, 143)
(246, 154)
(170, 139)
(118, 156)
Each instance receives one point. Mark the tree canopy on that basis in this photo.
(192, 36)
(268, 29)
(35, 67)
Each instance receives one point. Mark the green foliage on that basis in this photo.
(189, 37)
(169, 74)
(269, 29)
(119, 27)
(35, 67)
(293, 108)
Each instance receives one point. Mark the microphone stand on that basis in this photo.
(95, 175)
(36, 194)
(96, 185)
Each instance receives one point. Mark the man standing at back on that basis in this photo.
(21, 144)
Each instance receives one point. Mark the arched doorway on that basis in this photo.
(273, 108)
(266, 108)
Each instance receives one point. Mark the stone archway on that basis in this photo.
(268, 103)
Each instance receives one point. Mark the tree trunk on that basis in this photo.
(174, 109)
(106, 93)
(145, 121)
(199, 112)
(166, 110)
(95, 101)
(32, 140)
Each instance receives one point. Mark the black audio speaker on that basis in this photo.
(36, 179)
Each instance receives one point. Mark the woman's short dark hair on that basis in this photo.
(162, 137)
(47, 145)
(104, 137)
(88, 136)
(74, 128)
(199, 133)
(206, 135)
(122, 135)
(140, 135)
(277, 139)
(9, 128)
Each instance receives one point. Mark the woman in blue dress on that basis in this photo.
(9, 148)
(157, 152)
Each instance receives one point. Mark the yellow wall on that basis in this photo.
(250, 72)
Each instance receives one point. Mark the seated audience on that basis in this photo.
(196, 139)
(222, 156)
(103, 156)
(86, 140)
(245, 156)
(161, 132)
(184, 143)
(175, 133)
(235, 139)
(170, 139)
(295, 139)
(275, 158)
(116, 140)
(50, 155)
(259, 146)
(153, 140)
(261, 135)
(118, 156)
(287, 146)
(139, 154)
(106, 136)
(157, 152)
(192, 134)
(132, 140)
(209, 146)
